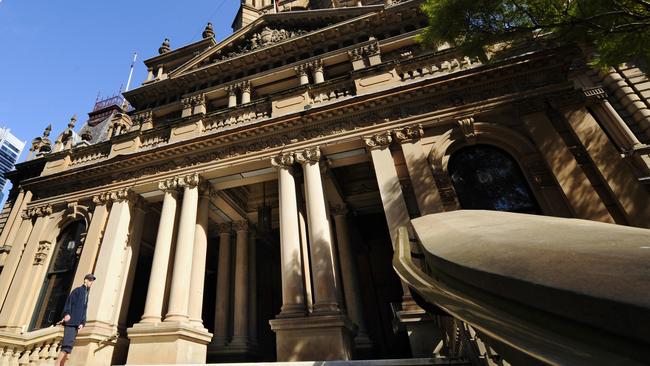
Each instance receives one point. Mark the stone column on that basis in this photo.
(12, 224)
(149, 74)
(293, 296)
(222, 310)
(245, 88)
(199, 258)
(16, 253)
(319, 77)
(629, 193)
(390, 189)
(426, 191)
(158, 277)
(179, 295)
(240, 329)
(21, 285)
(232, 96)
(160, 72)
(353, 302)
(93, 238)
(612, 121)
(301, 71)
(320, 240)
(581, 195)
(252, 288)
(103, 304)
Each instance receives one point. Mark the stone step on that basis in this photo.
(389, 362)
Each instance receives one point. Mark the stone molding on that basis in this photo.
(224, 228)
(378, 140)
(308, 155)
(42, 252)
(241, 225)
(409, 133)
(284, 160)
(38, 211)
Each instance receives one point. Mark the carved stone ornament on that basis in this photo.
(284, 160)
(231, 90)
(408, 133)
(301, 70)
(189, 181)
(244, 86)
(197, 100)
(224, 228)
(122, 195)
(143, 117)
(340, 210)
(308, 155)
(595, 94)
(42, 252)
(469, 131)
(186, 102)
(265, 37)
(240, 225)
(379, 140)
(38, 211)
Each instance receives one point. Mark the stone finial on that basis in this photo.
(164, 48)
(72, 122)
(47, 131)
(208, 32)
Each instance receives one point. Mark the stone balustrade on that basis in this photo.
(89, 155)
(237, 117)
(332, 92)
(40, 347)
(154, 139)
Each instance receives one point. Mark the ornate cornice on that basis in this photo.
(284, 160)
(38, 211)
(408, 133)
(308, 155)
(240, 225)
(378, 140)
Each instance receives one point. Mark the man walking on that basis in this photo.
(74, 317)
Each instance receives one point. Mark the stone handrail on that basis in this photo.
(39, 347)
(562, 291)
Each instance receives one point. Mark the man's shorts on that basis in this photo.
(69, 335)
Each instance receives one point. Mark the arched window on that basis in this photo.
(488, 178)
(58, 281)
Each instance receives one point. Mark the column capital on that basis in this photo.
(231, 90)
(355, 54)
(37, 211)
(197, 100)
(244, 86)
(224, 228)
(240, 225)
(284, 160)
(300, 69)
(308, 155)
(595, 94)
(340, 210)
(168, 185)
(316, 65)
(189, 181)
(186, 102)
(468, 129)
(408, 133)
(378, 140)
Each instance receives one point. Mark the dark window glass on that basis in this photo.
(487, 178)
(58, 282)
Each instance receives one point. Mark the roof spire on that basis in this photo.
(164, 48)
(208, 32)
(47, 131)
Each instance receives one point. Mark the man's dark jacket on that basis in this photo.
(76, 306)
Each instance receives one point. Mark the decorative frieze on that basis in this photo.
(42, 252)
(240, 225)
(38, 211)
(468, 129)
(283, 160)
(379, 140)
(308, 155)
(408, 133)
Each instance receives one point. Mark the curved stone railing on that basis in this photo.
(562, 291)
(39, 347)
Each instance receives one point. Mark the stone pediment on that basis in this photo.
(271, 29)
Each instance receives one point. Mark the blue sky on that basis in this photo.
(55, 56)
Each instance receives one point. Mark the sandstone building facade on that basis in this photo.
(244, 203)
